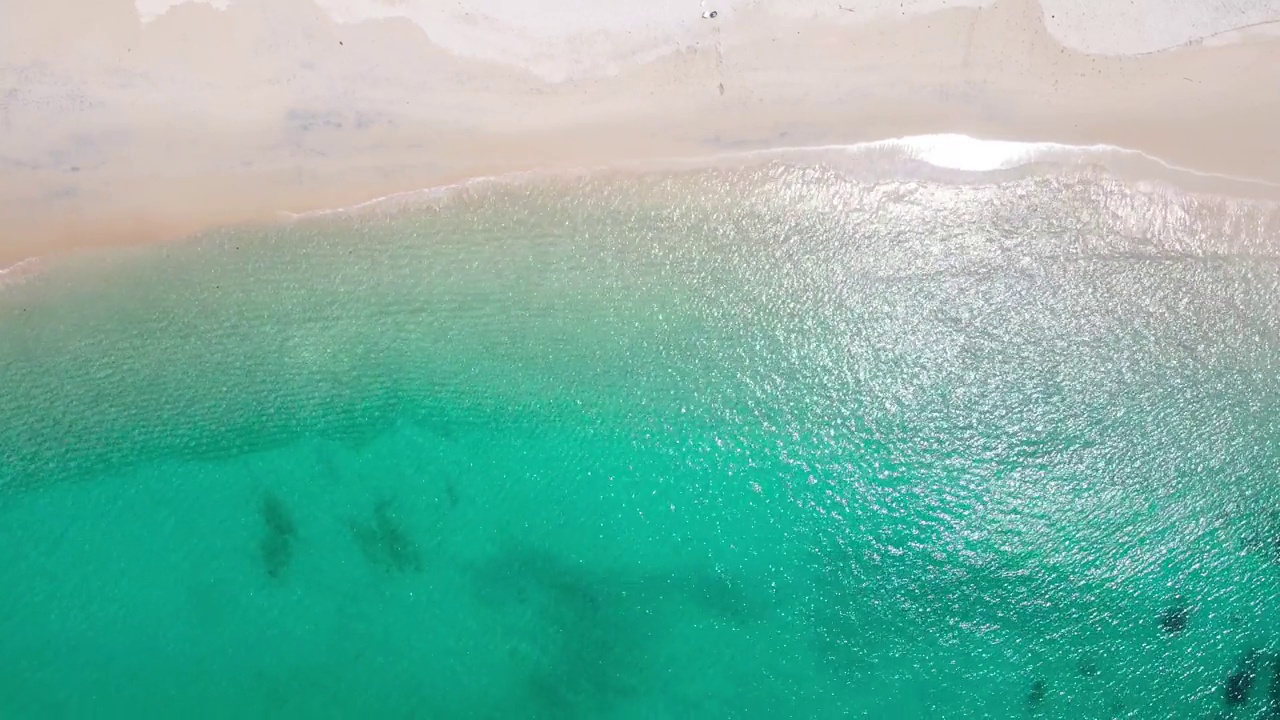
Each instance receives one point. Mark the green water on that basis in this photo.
(730, 444)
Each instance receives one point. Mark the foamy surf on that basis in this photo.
(964, 156)
(943, 158)
(18, 272)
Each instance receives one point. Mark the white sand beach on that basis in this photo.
(124, 122)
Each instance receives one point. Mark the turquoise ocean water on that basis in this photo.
(764, 442)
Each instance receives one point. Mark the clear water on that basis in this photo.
(724, 444)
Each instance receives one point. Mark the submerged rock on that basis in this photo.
(279, 532)
(385, 542)
(1038, 692)
(1273, 693)
(1240, 682)
(1174, 619)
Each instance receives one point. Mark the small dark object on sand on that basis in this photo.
(1038, 692)
(1175, 618)
(1240, 682)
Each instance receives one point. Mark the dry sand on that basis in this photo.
(113, 130)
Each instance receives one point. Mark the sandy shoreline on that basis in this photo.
(115, 131)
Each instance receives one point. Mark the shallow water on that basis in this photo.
(764, 442)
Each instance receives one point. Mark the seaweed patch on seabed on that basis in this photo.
(1175, 618)
(576, 633)
(278, 535)
(583, 636)
(1037, 694)
(1273, 692)
(1263, 537)
(385, 542)
(1239, 683)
